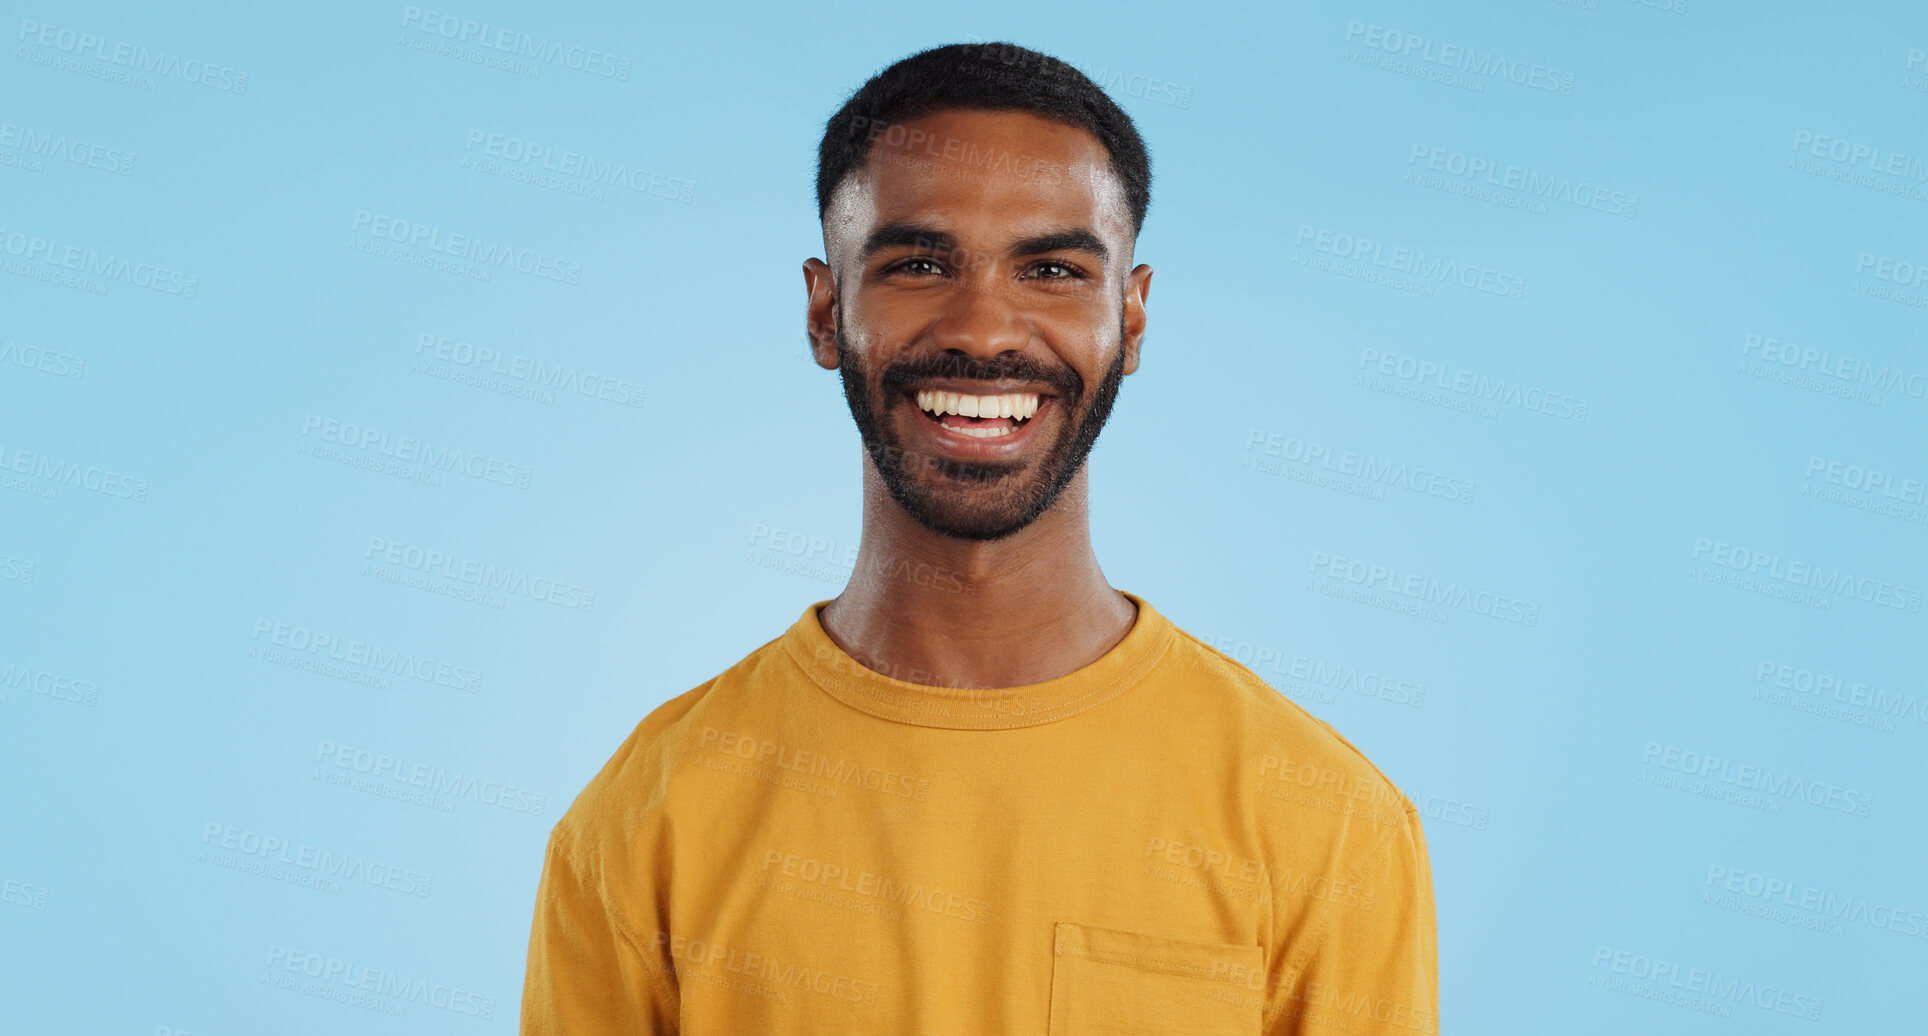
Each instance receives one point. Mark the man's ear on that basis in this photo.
(820, 312)
(1137, 289)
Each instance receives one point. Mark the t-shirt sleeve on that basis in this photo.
(587, 971)
(1375, 971)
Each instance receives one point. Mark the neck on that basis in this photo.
(933, 609)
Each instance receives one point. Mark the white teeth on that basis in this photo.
(985, 433)
(1017, 405)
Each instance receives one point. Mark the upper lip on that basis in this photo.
(978, 388)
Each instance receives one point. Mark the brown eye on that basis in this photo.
(905, 265)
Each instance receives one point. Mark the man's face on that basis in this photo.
(980, 264)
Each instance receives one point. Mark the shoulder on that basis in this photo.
(1333, 829)
(1286, 754)
(629, 793)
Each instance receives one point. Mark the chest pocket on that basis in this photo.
(1112, 982)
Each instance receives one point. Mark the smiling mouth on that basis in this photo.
(983, 417)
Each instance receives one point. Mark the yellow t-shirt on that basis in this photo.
(1156, 843)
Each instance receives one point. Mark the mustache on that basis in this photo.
(905, 373)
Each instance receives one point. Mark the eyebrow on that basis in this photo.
(1074, 239)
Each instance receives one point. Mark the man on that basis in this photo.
(981, 791)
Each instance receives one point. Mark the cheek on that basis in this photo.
(881, 326)
(1085, 344)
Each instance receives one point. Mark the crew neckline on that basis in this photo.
(979, 708)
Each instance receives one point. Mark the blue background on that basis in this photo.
(179, 521)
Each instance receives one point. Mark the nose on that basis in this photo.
(980, 320)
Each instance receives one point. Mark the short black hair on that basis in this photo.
(984, 76)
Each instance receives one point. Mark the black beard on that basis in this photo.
(977, 500)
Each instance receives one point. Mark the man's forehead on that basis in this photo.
(991, 175)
